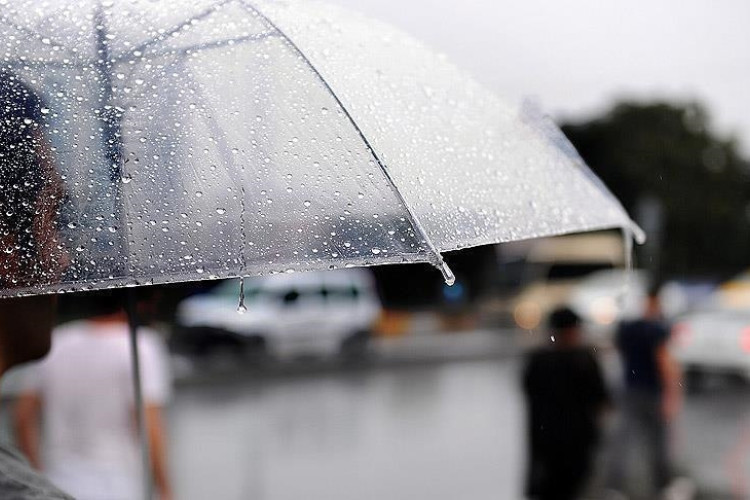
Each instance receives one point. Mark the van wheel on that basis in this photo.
(694, 380)
(355, 346)
(255, 348)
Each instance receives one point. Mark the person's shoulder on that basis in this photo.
(536, 356)
(71, 328)
(150, 338)
(539, 352)
(629, 324)
(18, 481)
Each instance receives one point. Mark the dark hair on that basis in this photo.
(21, 174)
(563, 318)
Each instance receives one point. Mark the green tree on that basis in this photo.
(667, 151)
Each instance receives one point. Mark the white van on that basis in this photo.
(322, 313)
(555, 266)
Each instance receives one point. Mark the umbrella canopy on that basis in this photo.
(159, 141)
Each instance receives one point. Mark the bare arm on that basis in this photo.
(671, 382)
(27, 421)
(157, 443)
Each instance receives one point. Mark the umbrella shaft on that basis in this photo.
(130, 308)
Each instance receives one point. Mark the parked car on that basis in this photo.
(716, 338)
(712, 341)
(288, 315)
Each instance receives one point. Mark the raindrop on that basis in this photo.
(360, 195)
(221, 211)
(375, 251)
(198, 194)
(324, 111)
(307, 203)
(126, 178)
(45, 111)
(72, 225)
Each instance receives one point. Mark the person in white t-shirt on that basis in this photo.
(82, 395)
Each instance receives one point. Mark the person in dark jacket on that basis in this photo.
(566, 396)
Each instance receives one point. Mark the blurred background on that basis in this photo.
(385, 383)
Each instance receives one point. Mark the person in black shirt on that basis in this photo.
(566, 395)
(651, 396)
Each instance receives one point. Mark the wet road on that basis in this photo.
(437, 431)
(713, 438)
(441, 432)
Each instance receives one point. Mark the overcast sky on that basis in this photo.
(577, 56)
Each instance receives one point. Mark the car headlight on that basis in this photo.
(603, 310)
(527, 315)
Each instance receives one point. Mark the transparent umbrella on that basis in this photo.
(158, 141)
(214, 139)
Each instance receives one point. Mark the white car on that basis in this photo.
(713, 341)
(288, 315)
(716, 337)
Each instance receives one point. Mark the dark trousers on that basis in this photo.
(641, 417)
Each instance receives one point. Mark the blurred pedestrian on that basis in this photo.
(30, 197)
(651, 395)
(566, 396)
(82, 395)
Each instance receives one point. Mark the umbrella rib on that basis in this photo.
(174, 30)
(30, 32)
(437, 261)
(206, 46)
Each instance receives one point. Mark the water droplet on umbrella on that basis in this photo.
(307, 203)
(221, 211)
(45, 111)
(375, 251)
(126, 179)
